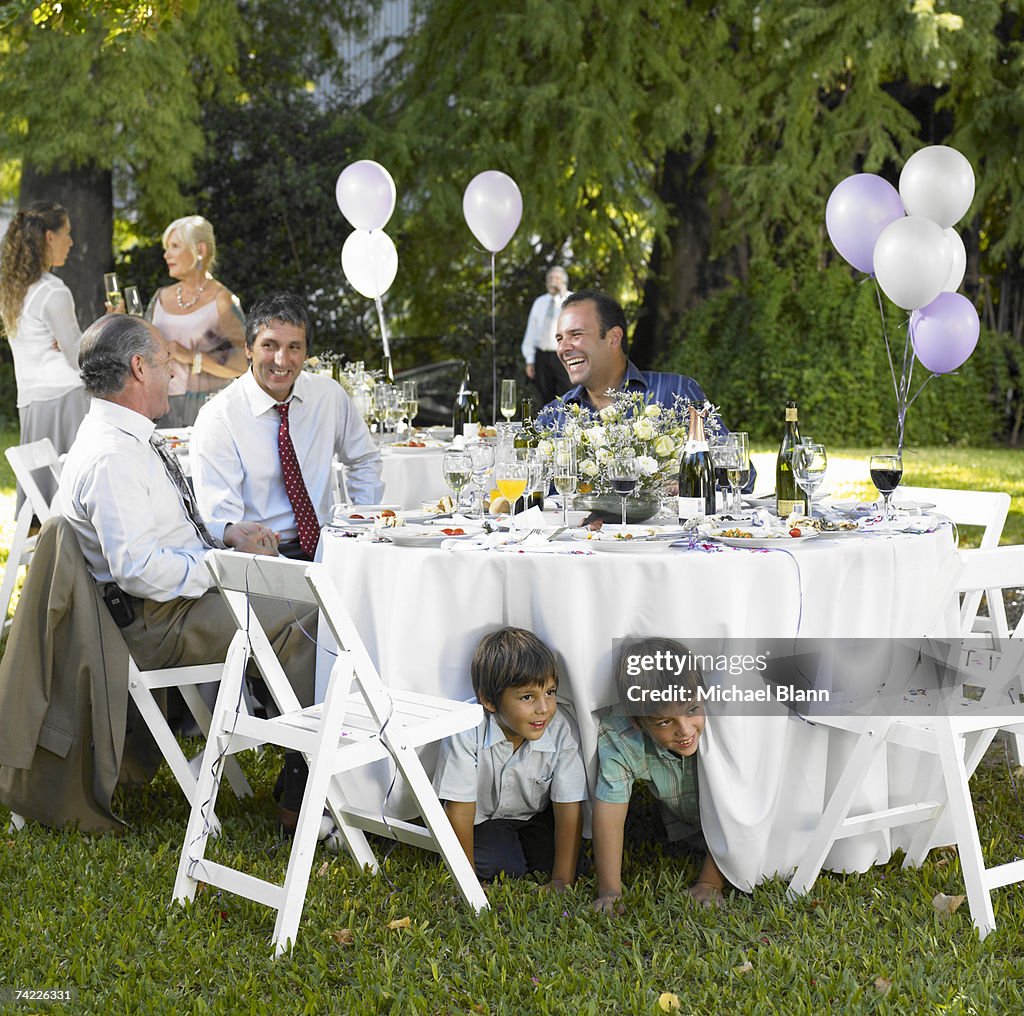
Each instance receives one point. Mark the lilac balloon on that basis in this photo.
(858, 209)
(493, 207)
(945, 332)
(365, 193)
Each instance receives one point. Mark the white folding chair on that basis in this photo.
(24, 459)
(360, 722)
(956, 737)
(988, 510)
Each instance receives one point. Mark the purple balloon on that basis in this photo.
(858, 209)
(945, 332)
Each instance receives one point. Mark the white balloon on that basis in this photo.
(959, 266)
(370, 261)
(365, 194)
(493, 207)
(938, 183)
(912, 261)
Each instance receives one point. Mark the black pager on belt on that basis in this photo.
(119, 604)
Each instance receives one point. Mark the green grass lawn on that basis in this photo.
(93, 913)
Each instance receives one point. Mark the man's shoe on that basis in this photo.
(288, 820)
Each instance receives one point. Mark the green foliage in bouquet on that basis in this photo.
(816, 336)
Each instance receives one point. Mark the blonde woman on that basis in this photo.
(200, 318)
(38, 313)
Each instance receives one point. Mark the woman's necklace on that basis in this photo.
(186, 304)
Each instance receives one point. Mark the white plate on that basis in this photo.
(762, 541)
(420, 539)
(867, 506)
(341, 514)
(769, 502)
(912, 506)
(405, 450)
(638, 533)
(630, 546)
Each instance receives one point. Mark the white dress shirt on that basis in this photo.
(236, 467)
(130, 520)
(47, 316)
(540, 328)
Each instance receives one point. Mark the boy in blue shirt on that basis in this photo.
(655, 742)
(513, 786)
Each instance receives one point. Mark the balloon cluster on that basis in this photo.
(366, 196)
(907, 241)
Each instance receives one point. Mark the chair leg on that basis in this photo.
(17, 823)
(354, 838)
(972, 863)
(232, 770)
(836, 811)
(201, 816)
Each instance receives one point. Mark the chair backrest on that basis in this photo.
(993, 569)
(987, 509)
(26, 458)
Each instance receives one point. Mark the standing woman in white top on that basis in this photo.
(200, 318)
(38, 313)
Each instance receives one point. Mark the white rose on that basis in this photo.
(646, 465)
(652, 410)
(609, 413)
(664, 446)
(595, 436)
(589, 468)
(545, 449)
(643, 429)
(604, 456)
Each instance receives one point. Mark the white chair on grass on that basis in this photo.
(360, 722)
(24, 459)
(957, 736)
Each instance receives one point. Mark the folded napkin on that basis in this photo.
(906, 524)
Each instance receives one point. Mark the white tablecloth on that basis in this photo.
(763, 780)
(413, 475)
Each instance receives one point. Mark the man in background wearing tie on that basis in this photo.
(263, 449)
(540, 350)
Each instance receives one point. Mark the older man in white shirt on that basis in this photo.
(263, 449)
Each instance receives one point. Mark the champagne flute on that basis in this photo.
(809, 465)
(112, 288)
(886, 473)
(508, 399)
(481, 455)
(412, 402)
(623, 475)
(565, 475)
(132, 301)
(738, 465)
(510, 476)
(458, 473)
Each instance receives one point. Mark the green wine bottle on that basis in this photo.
(696, 476)
(788, 495)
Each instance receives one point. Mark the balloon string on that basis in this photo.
(383, 327)
(901, 387)
(494, 346)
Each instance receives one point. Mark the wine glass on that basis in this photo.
(508, 399)
(809, 465)
(112, 288)
(511, 473)
(737, 467)
(481, 455)
(622, 475)
(458, 473)
(564, 474)
(886, 473)
(720, 446)
(132, 300)
(411, 400)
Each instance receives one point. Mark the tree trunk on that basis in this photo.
(88, 195)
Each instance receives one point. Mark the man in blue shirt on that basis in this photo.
(593, 346)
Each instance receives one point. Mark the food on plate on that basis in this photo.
(499, 506)
(409, 444)
(443, 507)
(837, 525)
(458, 531)
(737, 534)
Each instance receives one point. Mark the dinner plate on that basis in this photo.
(870, 506)
(400, 538)
(406, 450)
(636, 533)
(769, 502)
(630, 546)
(341, 514)
(763, 541)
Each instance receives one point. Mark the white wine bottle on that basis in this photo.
(788, 495)
(696, 476)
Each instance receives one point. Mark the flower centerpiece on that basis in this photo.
(632, 424)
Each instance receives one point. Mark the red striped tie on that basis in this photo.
(306, 521)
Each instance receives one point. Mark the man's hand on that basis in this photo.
(707, 895)
(251, 538)
(610, 903)
(531, 371)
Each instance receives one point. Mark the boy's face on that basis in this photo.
(679, 733)
(524, 712)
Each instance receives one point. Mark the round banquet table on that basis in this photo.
(413, 475)
(763, 779)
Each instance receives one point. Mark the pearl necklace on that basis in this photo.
(186, 304)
